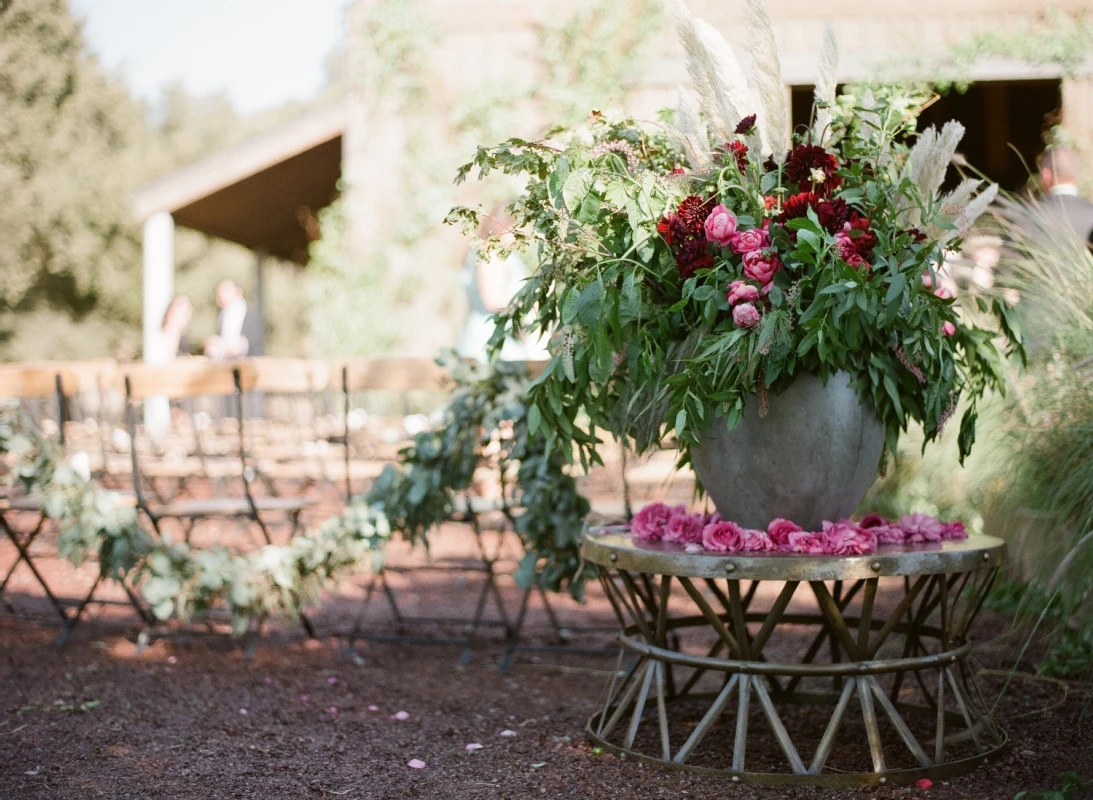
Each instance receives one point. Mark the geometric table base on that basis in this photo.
(897, 697)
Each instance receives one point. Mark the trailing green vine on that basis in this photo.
(489, 416)
(173, 577)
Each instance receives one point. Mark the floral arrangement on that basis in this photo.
(687, 266)
(699, 532)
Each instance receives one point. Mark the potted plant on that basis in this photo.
(767, 301)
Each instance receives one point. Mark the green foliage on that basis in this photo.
(173, 577)
(1071, 787)
(648, 350)
(489, 412)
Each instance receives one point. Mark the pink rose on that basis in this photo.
(757, 542)
(954, 530)
(745, 315)
(927, 280)
(918, 528)
(749, 241)
(779, 530)
(845, 245)
(948, 329)
(760, 265)
(844, 538)
(720, 226)
(723, 537)
(683, 527)
(651, 522)
(811, 542)
(740, 292)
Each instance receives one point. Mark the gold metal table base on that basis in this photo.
(899, 678)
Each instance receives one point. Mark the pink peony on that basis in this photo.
(779, 530)
(844, 243)
(720, 226)
(948, 329)
(757, 542)
(683, 527)
(749, 241)
(954, 530)
(811, 542)
(740, 292)
(723, 537)
(761, 265)
(745, 315)
(651, 522)
(918, 528)
(857, 262)
(844, 538)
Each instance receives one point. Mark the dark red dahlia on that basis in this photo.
(832, 213)
(666, 228)
(797, 205)
(806, 163)
(736, 150)
(692, 256)
(692, 214)
(745, 125)
(919, 235)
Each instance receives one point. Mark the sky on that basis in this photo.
(260, 53)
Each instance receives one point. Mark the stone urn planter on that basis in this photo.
(810, 458)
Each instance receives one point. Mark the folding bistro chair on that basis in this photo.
(211, 380)
(39, 383)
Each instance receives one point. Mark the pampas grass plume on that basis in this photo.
(766, 80)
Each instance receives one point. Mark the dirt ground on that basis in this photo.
(190, 717)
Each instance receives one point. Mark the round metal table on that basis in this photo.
(711, 660)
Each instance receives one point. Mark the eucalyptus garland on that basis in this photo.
(173, 577)
(489, 417)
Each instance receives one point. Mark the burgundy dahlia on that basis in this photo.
(692, 256)
(738, 151)
(812, 168)
(744, 126)
(693, 212)
(832, 213)
(797, 205)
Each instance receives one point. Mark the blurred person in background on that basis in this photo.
(491, 283)
(229, 341)
(176, 321)
(1060, 201)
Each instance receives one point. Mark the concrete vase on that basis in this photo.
(810, 458)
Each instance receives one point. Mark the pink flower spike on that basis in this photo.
(333, 709)
(331, 680)
(401, 716)
(373, 708)
(472, 747)
(924, 783)
(415, 763)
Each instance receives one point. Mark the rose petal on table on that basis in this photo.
(470, 748)
(507, 733)
(401, 716)
(415, 763)
(924, 783)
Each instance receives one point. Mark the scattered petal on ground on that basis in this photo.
(373, 708)
(508, 733)
(333, 709)
(401, 715)
(472, 747)
(924, 783)
(303, 698)
(415, 763)
(331, 680)
(267, 681)
(172, 660)
(243, 711)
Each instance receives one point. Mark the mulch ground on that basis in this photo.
(190, 717)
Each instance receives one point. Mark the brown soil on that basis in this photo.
(96, 719)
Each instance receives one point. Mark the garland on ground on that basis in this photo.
(174, 577)
(489, 414)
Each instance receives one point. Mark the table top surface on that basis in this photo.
(613, 547)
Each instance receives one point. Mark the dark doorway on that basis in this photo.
(999, 117)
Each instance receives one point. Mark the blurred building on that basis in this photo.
(264, 194)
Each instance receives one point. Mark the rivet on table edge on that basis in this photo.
(875, 566)
(986, 556)
(883, 779)
(614, 556)
(730, 567)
